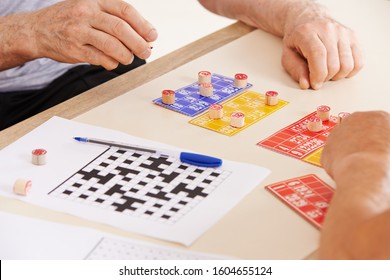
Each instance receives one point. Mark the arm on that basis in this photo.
(99, 32)
(357, 156)
(316, 48)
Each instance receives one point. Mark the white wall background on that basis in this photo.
(179, 22)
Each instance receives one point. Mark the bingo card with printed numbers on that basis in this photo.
(251, 104)
(308, 195)
(189, 102)
(297, 141)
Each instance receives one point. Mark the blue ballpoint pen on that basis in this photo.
(190, 158)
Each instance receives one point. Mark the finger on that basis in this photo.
(94, 56)
(124, 33)
(110, 46)
(129, 14)
(357, 55)
(316, 54)
(332, 56)
(296, 66)
(346, 59)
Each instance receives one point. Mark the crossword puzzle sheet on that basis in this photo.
(142, 192)
(297, 141)
(189, 102)
(141, 185)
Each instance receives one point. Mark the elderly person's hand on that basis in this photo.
(317, 49)
(362, 136)
(99, 32)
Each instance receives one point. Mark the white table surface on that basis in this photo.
(260, 227)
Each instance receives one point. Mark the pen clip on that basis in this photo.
(200, 160)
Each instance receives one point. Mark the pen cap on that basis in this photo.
(200, 160)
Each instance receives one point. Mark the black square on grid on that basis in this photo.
(153, 168)
(128, 161)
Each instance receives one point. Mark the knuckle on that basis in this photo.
(318, 52)
(89, 56)
(346, 67)
(126, 10)
(108, 46)
(119, 28)
(333, 69)
(305, 28)
(329, 27)
(80, 10)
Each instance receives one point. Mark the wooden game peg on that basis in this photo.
(38, 156)
(237, 119)
(323, 112)
(168, 96)
(206, 89)
(342, 115)
(314, 124)
(240, 80)
(215, 111)
(204, 77)
(271, 98)
(22, 186)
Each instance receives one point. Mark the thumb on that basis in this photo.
(296, 66)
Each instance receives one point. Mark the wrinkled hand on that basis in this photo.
(316, 50)
(99, 32)
(359, 136)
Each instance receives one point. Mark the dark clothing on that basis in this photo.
(19, 105)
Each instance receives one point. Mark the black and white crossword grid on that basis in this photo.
(144, 185)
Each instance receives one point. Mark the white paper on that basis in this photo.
(66, 156)
(27, 238)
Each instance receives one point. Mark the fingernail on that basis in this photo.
(317, 85)
(303, 83)
(146, 53)
(152, 35)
